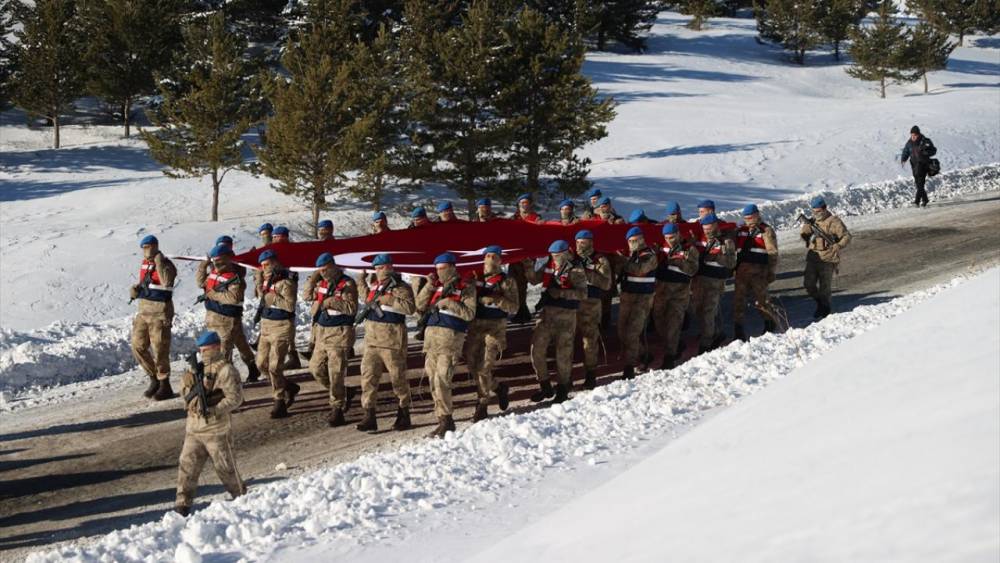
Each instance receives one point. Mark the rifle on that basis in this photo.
(372, 304)
(422, 322)
(144, 284)
(217, 289)
(545, 298)
(830, 239)
(198, 389)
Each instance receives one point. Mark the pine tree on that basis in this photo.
(793, 23)
(210, 98)
(624, 21)
(127, 42)
(8, 62)
(304, 149)
(50, 75)
(960, 17)
(927, 50)
(549, 106)
(835, 19)
(879, 51)
(699, 10)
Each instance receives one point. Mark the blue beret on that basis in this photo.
(208, 338)
(378, 216)
(709, 219)
(382, 260)
(594, 193)
(706, 204)
(636, 216)
(670, 228)
(281, 231)
(446, 258)
(324, 259)
(673, 207)
(148, 239)
(493, 249)
(224, 239)
(566, 203)
(604, 201)
(524, 196)
(633, 232)
(265, 227)
(443, 206)
(325, 224)
(559, 246)
(484, 201)
(750, 210)
(817, 202)
(585, 234)
(266, 255)
(219, 250)
(418, 212)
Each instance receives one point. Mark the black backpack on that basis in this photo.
(933, 167)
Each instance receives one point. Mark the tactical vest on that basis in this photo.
(214, 280)
(331, 317)
(156, 291)
(489, 287)
(447, 319)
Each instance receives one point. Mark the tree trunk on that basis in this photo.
(836, 50)
(961, 37)
(125, 114)
(377, 192)
(925, 83)
(317, 193)
(215, 192)
(882, 83)
(601, 40)
(470, 207)
(55, 124)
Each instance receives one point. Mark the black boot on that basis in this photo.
(253, 373)
(349, 393)
(720, 339)
(293, 361)
(668, 362)
(291, 390)
(562, 393)
(739, 333)
(628, 372)
(154, 384)
(336, 418)
(402, 421)
(522, 316)
(481, 413)
(445, 424)
(279, 410)
(769, 326)
(163, 391)
(419, 335)
(182, 510)
(818, 313)
(544, 392)
(589, 379)
(703, 349)
(369, 422)
(307, 353)
(503, 396)
(824, 311)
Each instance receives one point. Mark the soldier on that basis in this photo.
(918, 150)
(496, 298)
(449, 303)
(678, 262)
(705, 207)
(335, 302)
(605, 212)
(484, 211)
(324, 230)
(282, 235)
(564, 285)
(208, 429)
(446, 212)
(380, 223)
(588, 317)
(224, 287)
(593, 196)
(756, 264)
(823, 257)
(673, 213)
(265, 231)
(386, 305)
(566, 216)
(277, 330)
(717, 258)
(517, 271)
(526, 209)
(151, 326)
(638, 217)
(638, 286)
(418, 218)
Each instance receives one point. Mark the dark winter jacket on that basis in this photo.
(919, 154)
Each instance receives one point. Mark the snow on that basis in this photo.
(392, 495)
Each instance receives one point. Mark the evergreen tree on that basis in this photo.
(304, 149)
(927, 50)
(549, 106)
(49, 76)
(793, 23)
(624, 21)
(8, 62)
(835, 19)
(879, 51)
(960, 17)
(210, 98)
(127, 42)
(699, 10)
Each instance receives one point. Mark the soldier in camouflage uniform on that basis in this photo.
(756, 264)
(678, 262)
(588, 317)
(823, 258)
(638, 285)
(152, 323)
(717, 258)
(224, 285)
(277, 330)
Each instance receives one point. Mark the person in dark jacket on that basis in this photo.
(918, 151)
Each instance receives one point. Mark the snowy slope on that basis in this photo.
(392, 498)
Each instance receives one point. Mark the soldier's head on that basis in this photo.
(268, 261)
(673, 212)
(221, 256)
(150, 246)
(566, 209)
(209, 345)
(445, 211)
(751, 215)
(525, 203)
(484, 207)
(444, 265)
(492, 258)
(914, 133)
(594, 196)
(559, 251)
(327, 266)
(818, 205)
(636, 240)
(383, 266)
(419, 216)
(265, 232)
(584, 242)
(710, 225)
(604, 205)
(324, 230)
(638, 216)
(281, 234)
(225, 239)
(380, 223)
(671, 235)
(705, 207)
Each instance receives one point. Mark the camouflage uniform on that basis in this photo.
(822, 259)
(334, 305)
(638, 285)
(447, 325)
(496, 298)
(277, 330)
(756, 264)
(211, 436)
(560, 303)
(588, 317)
(385, 342)
(291, 353)
(673, 291)
(224, 308)
(518, 273)
(717, 258)
(151, 325)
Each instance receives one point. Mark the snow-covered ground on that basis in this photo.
(874, 446)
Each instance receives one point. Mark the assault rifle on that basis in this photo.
(432, 309)
(830, 239)
(205, 399)
(546, 298)
(144, 284)
(217, 289)
(373, 304)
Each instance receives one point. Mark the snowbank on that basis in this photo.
(362, 500)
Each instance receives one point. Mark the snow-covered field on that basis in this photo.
(876, 446)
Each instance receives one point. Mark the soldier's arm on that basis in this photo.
(401, 298)
(233, 295)
(648, 262)
(348, 302)
(187, 382)
(201, 274)
(363, 286)
(228, 381)
(690, 264)
(578, 279)
(602, 271)
(728, 257)
(423, 298)
(258, 283)
(533, 276)
(165, 270)
(309, 288)
(508, 300)
(839, 230)
(465, 307)
(283, 296)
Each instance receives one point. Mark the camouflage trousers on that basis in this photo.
(588, 325)
(373, 362)
(151, 343)
(705, 298)
(670, 303)
(272, 348)
(328, 366)
(230, 331)
(818, 278)
(633, 312)
(196, 450)
(558, 325)
(751, 280)
(486, 340)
